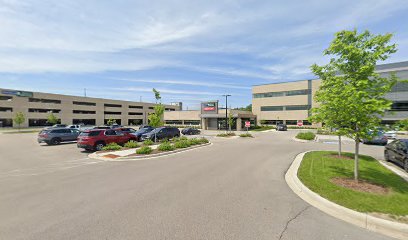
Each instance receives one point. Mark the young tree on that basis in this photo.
(156, 118)
(52, 119)
(352, 95)
(19, 119)
(111, 121)
(230, 120)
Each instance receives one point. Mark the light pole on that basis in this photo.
(226, 110)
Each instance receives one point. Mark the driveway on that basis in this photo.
(233, 189)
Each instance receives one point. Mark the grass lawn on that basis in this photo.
(263, 128)
(318, 168)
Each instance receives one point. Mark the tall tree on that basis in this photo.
(19, 119)
(352, 94)
(157, 95)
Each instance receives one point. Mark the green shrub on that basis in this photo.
(166, 146)
(226, 134)
(182, 144)
(147, 142)
(144, 150)
(306, 136)
(131, 144)
(246, 135)
(194, 141)
(112, 147)
(203, 140)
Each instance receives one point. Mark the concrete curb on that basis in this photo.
(303, 141)
(364, 220)
(145, 157)
(395, 170)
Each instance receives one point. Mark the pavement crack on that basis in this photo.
(290, 220)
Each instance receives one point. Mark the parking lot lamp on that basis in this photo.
(226, 110)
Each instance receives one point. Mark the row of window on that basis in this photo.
(6, 98)
(282, 93)
(287, 122)
(186, 122)
(6, 109)
(285, 108)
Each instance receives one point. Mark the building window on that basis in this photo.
(44, 110)
(151, 108)
(135, 122)
(35, 122)
(112, 113)
(83, 112)
(113, 105)
(291, 122)
(170, 109)
(136, 113)
(400, 87)
(6, 122)
(399, 106)
(84, 103)
(137, 107)
(118, 121)
(174, 122)
(43, 100)
(6, 109)
(282, 94)
(6, 98)
(271, 108)
(84, 121)
(297, 107)
(192, 122)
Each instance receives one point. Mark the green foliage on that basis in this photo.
(111, 121)
(246, 135)
(156, 95)
(112, 147)
(52, 119)
(324, 131)
(131, 144)
(247, 108)
(402, 125)
(352, 96)
(306, 136)
(156, 118)
(261, 128)
(19, 119)
(166, 146)
(182, 144)
(319, 168)
(147, 142)
(203, 140)
(230, 134)
(144, 150)
(194, 141)
(230, 120)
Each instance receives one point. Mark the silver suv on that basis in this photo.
(54, 136)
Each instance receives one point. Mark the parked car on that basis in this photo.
(74, 126)
(161, 133)
(142, 131)
(96, 139)
(190, 131)
(145, 126)
(397, 152)
(391, 134)
(378, 139)
(281, 127)
(59, 126)
(54, 136)
(126, 130)
(102, 127)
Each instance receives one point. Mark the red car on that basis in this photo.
(96, 139)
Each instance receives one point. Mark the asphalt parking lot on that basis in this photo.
(233, 189)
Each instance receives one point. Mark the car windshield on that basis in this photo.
(144, 130)
(156, 130)
(90, 134)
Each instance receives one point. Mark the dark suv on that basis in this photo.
(96, 139)
(161, 133)
(54, 136)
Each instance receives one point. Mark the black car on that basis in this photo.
(145, 126)
(142, 131)
(281, 127)
(397, 152)
(190, 131)
(161, 133)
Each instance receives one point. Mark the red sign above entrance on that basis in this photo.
(209, 108)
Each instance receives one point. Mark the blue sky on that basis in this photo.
(191, 51)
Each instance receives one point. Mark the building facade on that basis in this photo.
(37, 106)
(290, 102)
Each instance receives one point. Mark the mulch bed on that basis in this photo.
(111, 156)
(361, 185)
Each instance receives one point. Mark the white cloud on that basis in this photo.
(183, 82)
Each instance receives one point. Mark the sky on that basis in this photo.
(190, 51)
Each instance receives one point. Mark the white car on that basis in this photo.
(391, 134)
(74, 126)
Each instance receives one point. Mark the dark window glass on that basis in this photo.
(110, 133)
(113, 113)
(137, 107)
(42, 100)
(112, 105)
(135, 113)
(297, 107)
(90, 134)
(44, 110)
(6, 109)
(271, 108)
(84, 103)
(298, 92)
(83, 112)
(399, 106)
(6, 98)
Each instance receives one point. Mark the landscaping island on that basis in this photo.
(378, 192)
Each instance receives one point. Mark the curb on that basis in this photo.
(363, 220)
(303, 141)
(144, 157)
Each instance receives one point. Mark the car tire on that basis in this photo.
(99, 146)
(55, 141)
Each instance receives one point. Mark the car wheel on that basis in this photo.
(99, 146)
(55, 141)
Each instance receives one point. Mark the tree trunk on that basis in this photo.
(339, 145)
(357, 145)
